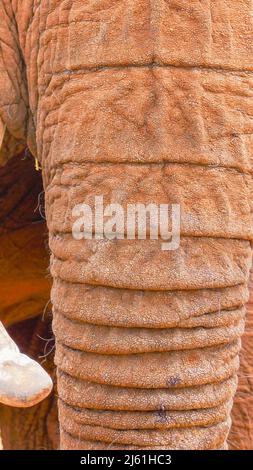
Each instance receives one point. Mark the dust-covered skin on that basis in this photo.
(147, 101)
(241, 434)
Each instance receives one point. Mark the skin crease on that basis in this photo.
(141, 101)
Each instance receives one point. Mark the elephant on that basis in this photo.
(140, 102)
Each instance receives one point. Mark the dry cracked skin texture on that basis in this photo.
(147, 101)
(241, 434)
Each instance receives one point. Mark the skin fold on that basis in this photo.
(147, 101)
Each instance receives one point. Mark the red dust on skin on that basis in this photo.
(91, 110)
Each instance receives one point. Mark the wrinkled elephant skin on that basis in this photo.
(147, 101)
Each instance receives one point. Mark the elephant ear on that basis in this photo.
(16, 130)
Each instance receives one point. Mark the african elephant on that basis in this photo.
(140, 102)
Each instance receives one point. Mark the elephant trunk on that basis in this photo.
(147, 339)
(139, 103)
